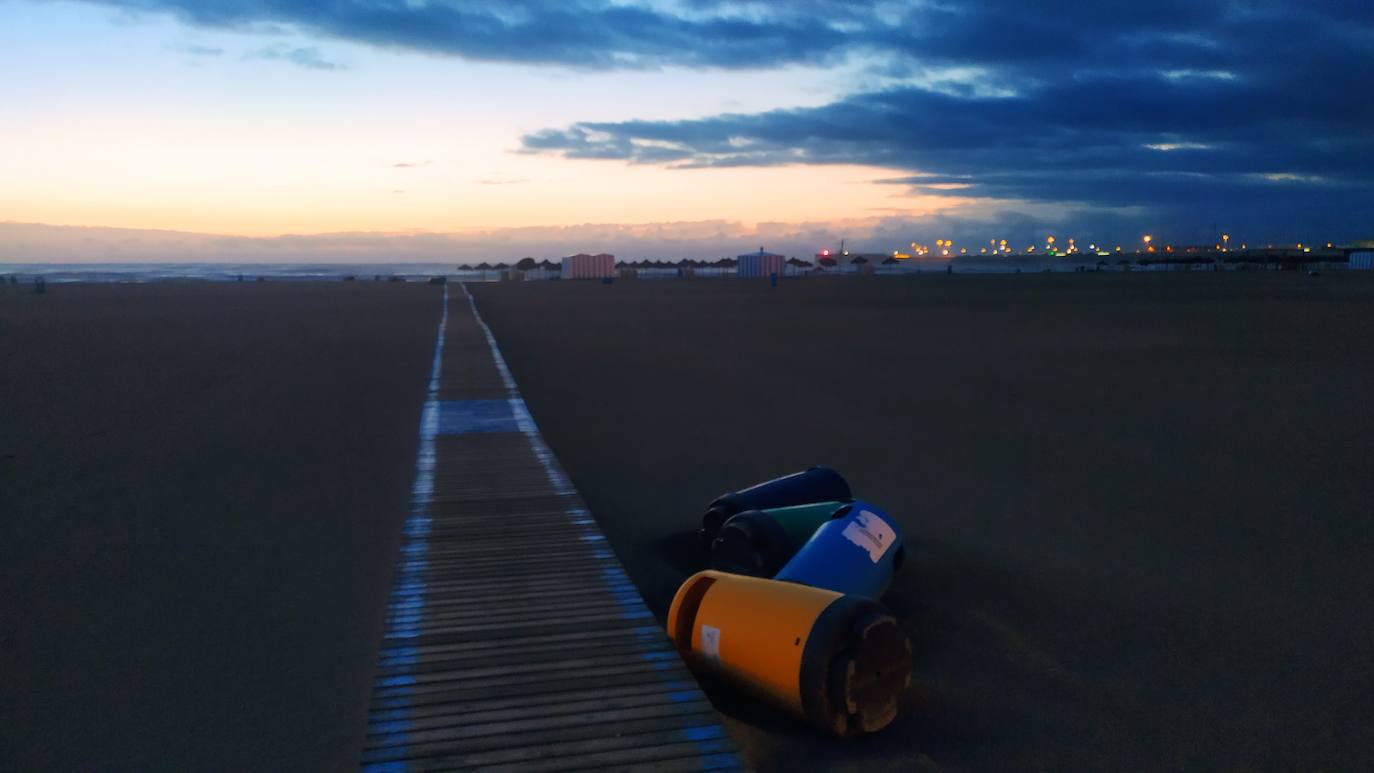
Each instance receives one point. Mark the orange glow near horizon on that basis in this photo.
(240, 194)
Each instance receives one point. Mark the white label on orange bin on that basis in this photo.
(710, 642)
(870, 533)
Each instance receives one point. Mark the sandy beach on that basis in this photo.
(1138, 506)
(202, 487)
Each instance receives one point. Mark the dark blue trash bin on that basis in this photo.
(816, 484)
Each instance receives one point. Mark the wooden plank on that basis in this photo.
(541, 724)
(570, 754)
(575, 705)
(452, 695)
(592, 637)
(575, 732)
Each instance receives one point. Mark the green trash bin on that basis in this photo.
(758, 543)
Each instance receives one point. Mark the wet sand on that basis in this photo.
(1139, 506)
(201, 492)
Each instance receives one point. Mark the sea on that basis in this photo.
(229, 272)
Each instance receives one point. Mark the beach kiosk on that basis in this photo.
(760, 264)
(584, 266)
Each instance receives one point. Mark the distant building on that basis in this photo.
(760, 263)
(875, 258)
(584, 266)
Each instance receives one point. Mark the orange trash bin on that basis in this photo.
(840, 662)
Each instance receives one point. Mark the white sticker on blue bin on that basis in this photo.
(710, 642)
(871, 533)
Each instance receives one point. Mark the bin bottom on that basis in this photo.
(866, 659)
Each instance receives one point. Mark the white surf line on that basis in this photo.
(711, 739)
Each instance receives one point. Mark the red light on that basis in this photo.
(825, 252)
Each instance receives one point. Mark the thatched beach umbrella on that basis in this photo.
(526, 264)
(484, 266)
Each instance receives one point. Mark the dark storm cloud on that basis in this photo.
(593, 34)
(1226, 111)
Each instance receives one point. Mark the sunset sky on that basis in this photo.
(673, 129)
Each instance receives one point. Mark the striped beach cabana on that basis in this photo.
(584, 266)
(755, 264)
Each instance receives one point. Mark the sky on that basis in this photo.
(427, 129)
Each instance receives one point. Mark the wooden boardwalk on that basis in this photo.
(514, 639)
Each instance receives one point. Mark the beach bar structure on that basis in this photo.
(584, 266)
(760, 264)
(1362, 260)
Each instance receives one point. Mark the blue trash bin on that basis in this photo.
(858, 553)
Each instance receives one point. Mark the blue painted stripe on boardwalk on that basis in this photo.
(457, 417)
(415, 547)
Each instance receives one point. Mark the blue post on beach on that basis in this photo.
(773, 279)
